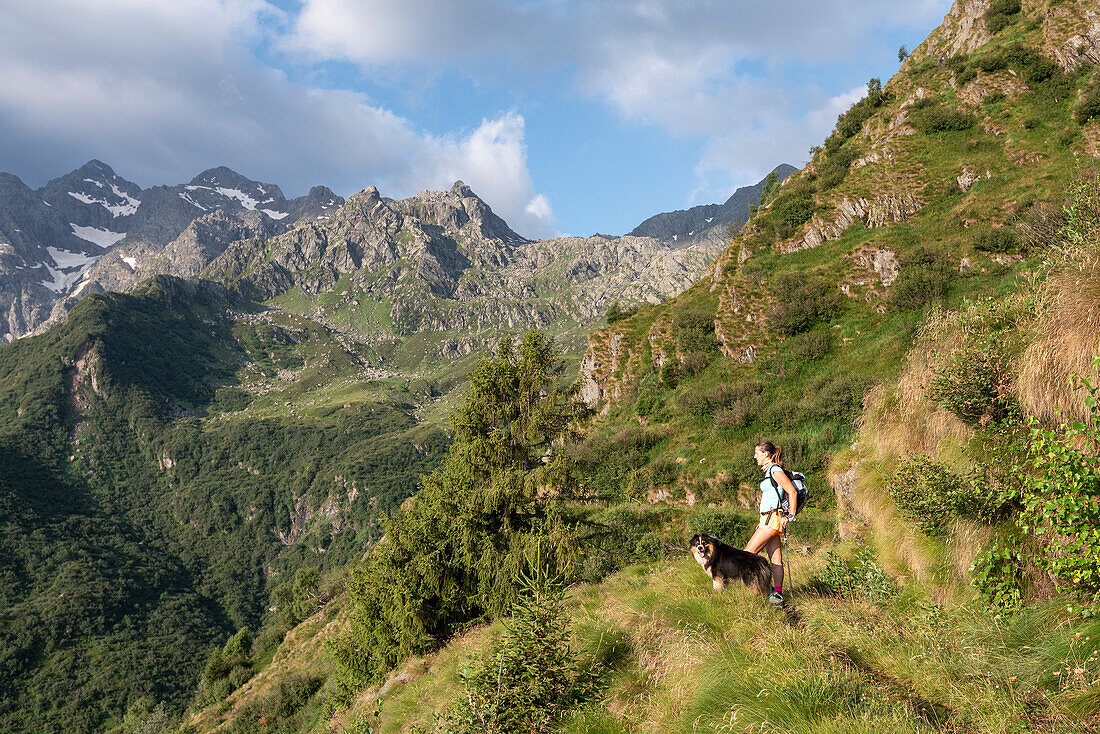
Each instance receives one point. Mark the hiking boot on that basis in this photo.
(776, 598)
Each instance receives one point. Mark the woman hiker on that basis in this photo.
(773, 519)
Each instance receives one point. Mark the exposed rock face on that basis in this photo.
(883, 210)
(963, 30)
(976, 90)
(968, 178)
(1072, 34)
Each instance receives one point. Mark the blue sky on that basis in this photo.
(566, 116)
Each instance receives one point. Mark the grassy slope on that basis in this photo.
(681, 657)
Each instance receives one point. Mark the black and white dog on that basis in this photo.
(724, 563)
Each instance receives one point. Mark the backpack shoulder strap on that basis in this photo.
(775, 485)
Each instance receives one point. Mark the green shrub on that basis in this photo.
(694, 331)
(801, 302)
(1088, 107)
(239, 646)
(733, 526)
(1000, 14)
(529, 678)
(740, 412)
(238, 676)
(670, 372)
(998, 575)
(1061, 498)
(998, 239)
(937, 119)
(791, 211)
(923, 277)
(928, 494)
(860, 578)
(782, 414)
(965, 76)
(835, 397)
(618, 536)
(292, 693)
(836, 168)
(973, 384)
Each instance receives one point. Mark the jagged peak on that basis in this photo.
(219, 174)
(96, 166)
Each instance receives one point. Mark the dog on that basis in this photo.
(724, 563)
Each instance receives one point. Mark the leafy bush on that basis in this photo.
(998, 575)
(998, 239)
(524, 682)
(965, 75)
(733, 526)
(1061, 498)
(1088, 107)
(293, 693)
(860, 578)
(851, 122)
(620, 535)
(694, 331)
(923, 277)
(927, 493)
(782, 414)
(801, 302)
(937, 119)
(1000, 14)
(973, 384)
(740, 412)
(836, 168)
(791, 210)
(836, 397)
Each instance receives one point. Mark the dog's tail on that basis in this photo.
(760, 577)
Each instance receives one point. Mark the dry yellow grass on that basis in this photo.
(1066, 338)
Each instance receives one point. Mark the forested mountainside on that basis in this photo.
(912, 316)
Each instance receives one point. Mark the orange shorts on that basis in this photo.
(772, 521)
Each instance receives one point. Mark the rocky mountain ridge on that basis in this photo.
(85, 232)
(708, 222)
(439, 261)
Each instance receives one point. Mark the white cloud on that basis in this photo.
(162, 89)
(712, 68)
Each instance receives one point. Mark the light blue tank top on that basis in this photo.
(769, 495)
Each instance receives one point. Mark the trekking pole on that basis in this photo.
(787, 560)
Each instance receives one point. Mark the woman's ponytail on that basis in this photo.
(774, 452)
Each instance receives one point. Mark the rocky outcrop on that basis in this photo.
(962, 31)
(883, 210)
(1071, 34)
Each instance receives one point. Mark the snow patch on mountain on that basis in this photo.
(246, 201)
(77, 263)
(191, 201)
(125, 209)
(274, 214)
(97, 236)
